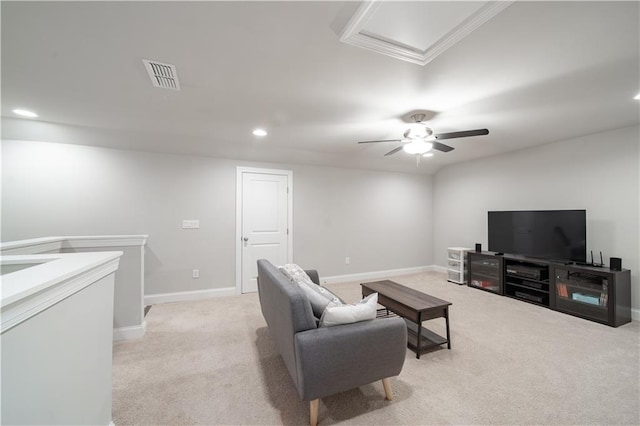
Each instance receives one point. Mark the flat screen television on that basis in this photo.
(548, 234)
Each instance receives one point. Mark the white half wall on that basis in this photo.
(57, 364)
(599, 173)
(128, 309)
(380, 220)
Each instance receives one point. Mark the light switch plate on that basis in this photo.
(190, 224)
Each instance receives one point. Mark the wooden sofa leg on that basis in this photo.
(313, 412)
(387, 388)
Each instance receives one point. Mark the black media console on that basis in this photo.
(597, 294)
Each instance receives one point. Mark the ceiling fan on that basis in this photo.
(419, 139)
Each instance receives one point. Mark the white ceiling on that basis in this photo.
(538, 72)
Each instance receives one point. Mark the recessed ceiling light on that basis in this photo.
(428, 154)
(260, 132)
(637, 98)
(25, 113)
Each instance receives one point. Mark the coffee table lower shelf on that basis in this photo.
(428, 339)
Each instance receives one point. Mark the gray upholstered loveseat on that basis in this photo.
(323, 361)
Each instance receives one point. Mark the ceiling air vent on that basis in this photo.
(162, 75)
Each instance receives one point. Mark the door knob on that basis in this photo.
(245, 239)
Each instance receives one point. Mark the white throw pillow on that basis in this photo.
(364, 310)
(295, 273)
(319, 297)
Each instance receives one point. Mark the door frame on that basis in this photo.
(239, 172)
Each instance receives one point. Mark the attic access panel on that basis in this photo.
(416, 31)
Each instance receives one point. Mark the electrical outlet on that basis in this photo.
(195, 273)
(347, 260)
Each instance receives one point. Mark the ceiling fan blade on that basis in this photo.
(393, 151)
(386, 140)
(441, 147)
(463, 134)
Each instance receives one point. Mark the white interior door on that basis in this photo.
(265, 219)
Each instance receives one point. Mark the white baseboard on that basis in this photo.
(439, 268)
(377, 274)
(130, 333)
(181, 296)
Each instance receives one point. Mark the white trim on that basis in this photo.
(238, 288)
(106, 241)
(141, 313)
(182, 296)
(130, 333)
(30, 247)
(438, 268)
(46, 244)
(376, 274)
(239, 172)
(351, 32)
(355, 34)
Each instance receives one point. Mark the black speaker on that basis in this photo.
(478, 247)
(615, 264)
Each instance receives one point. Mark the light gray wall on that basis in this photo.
(599, 173)
(380, 220)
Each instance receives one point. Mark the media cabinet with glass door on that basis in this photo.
(485, 271)
(597, 294)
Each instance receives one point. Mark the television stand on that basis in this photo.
(592, 292)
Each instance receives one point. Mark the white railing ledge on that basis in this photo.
(47, 244)
(105, 241)
(51, 278)
(38, 244)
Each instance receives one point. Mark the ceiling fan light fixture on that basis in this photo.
(419, 146)
(417, 131)
(427, 154)
(419, 139)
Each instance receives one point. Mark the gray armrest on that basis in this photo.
(313, 274)
(335, 359)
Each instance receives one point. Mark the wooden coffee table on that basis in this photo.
(415, 307)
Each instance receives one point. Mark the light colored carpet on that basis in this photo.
(213, 362)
